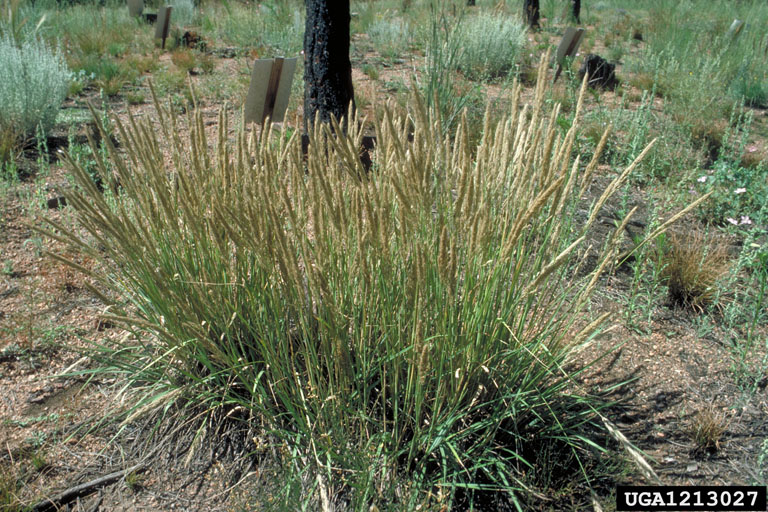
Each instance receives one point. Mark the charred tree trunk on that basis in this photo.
(577, 10)
(531, 12)
(327, 70)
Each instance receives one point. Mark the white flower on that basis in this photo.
(732, 221)
(739, 191)
(745, 220)
(702, 179)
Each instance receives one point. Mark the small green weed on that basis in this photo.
(371, 71)
(135, 480)
(746, 314)
(10, 490)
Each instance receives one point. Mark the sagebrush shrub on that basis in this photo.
(391, 37)
(183, 12)
(33, 84)
(491, 45)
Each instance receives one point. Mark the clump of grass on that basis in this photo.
(391, 330)
(692, 267)
(706, 430)
(490, 45)
(184, 60)
(10, 489)
(89, 30)
(278, 26)
(448, 95)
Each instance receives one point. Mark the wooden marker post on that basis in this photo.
(568, 47)
(735, 29)
(135, 7)
(163, 23)
(269, 90)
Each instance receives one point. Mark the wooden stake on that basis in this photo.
(135, 7)
(568, 46)
(269, 90)
(163, 23)
(274, 81)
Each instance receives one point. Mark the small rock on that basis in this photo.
(103, 325)
(57, 202)
(192, 39)
(690, 468)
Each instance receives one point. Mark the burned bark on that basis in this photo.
(531, 12)
(327, 69)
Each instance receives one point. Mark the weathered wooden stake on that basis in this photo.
(163, 23)
(274, 81)
(735, 29)
(531, 12)
(270, 90)
(568, 47)
(135, 7)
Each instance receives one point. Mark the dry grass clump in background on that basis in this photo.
(392, 329)
(184, 60)
(692, 266)
(754, 157)
(706, 429)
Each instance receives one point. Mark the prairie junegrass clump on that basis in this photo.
(392, 330)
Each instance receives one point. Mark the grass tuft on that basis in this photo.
(707, 429)
(692, 267)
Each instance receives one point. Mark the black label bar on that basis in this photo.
(682, 498)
